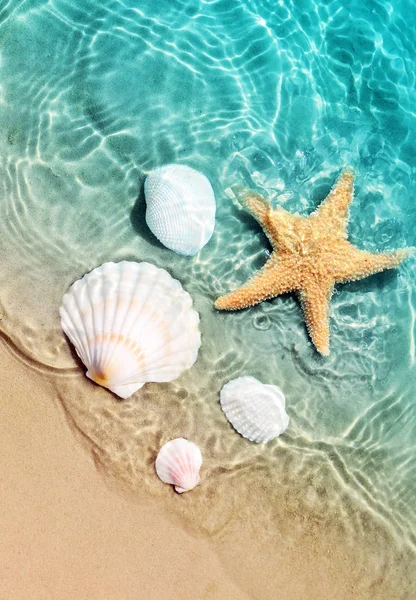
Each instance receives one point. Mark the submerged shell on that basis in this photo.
(131, 323)
(178, 463)
(254, 409)
(180, 208)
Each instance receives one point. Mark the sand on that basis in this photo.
(66, 533)
(327, 509)
(70, 531)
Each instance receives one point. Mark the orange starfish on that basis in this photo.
(310, 255)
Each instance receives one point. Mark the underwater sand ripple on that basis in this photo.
(281, 113)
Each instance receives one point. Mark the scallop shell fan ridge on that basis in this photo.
(131, 323)
(178, 463)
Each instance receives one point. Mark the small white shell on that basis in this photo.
(178, 463)
(131, 323)
(180, 208)
(254, 409)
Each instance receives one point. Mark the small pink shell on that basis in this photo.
(178, 463)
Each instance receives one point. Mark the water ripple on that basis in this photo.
(276, 95)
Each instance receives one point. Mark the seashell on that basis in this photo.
(180, 208)
(178, 463)
(131, 323)
(254, 409)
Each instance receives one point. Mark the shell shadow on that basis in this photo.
(74, 355)
(138, 220)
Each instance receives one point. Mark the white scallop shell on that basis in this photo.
(254, 409)
(180, 208)
(178, 463)
(131, 323)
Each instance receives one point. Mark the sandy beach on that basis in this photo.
(71, 532)
(66, 533)
(275, 97)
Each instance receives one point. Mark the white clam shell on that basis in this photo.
(180, 208)
(131, 323)
(178, 463)
(256, 410)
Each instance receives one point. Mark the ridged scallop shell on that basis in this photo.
(180, 208)
(256, 410)
(178, 463)
(131, 323)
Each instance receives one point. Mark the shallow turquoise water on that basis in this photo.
(279, 95)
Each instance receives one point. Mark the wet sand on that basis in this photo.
(95, 95)
(70, 531)
(68, 534)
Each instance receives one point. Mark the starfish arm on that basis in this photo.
(315, 306)
(274, 279)
(270, 220)
(358, 264)
(254, 203)
(333, 212)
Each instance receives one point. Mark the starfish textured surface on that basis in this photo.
(310, 255)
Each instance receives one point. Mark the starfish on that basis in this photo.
(310, 255)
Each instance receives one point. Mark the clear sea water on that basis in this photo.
(279, 95)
